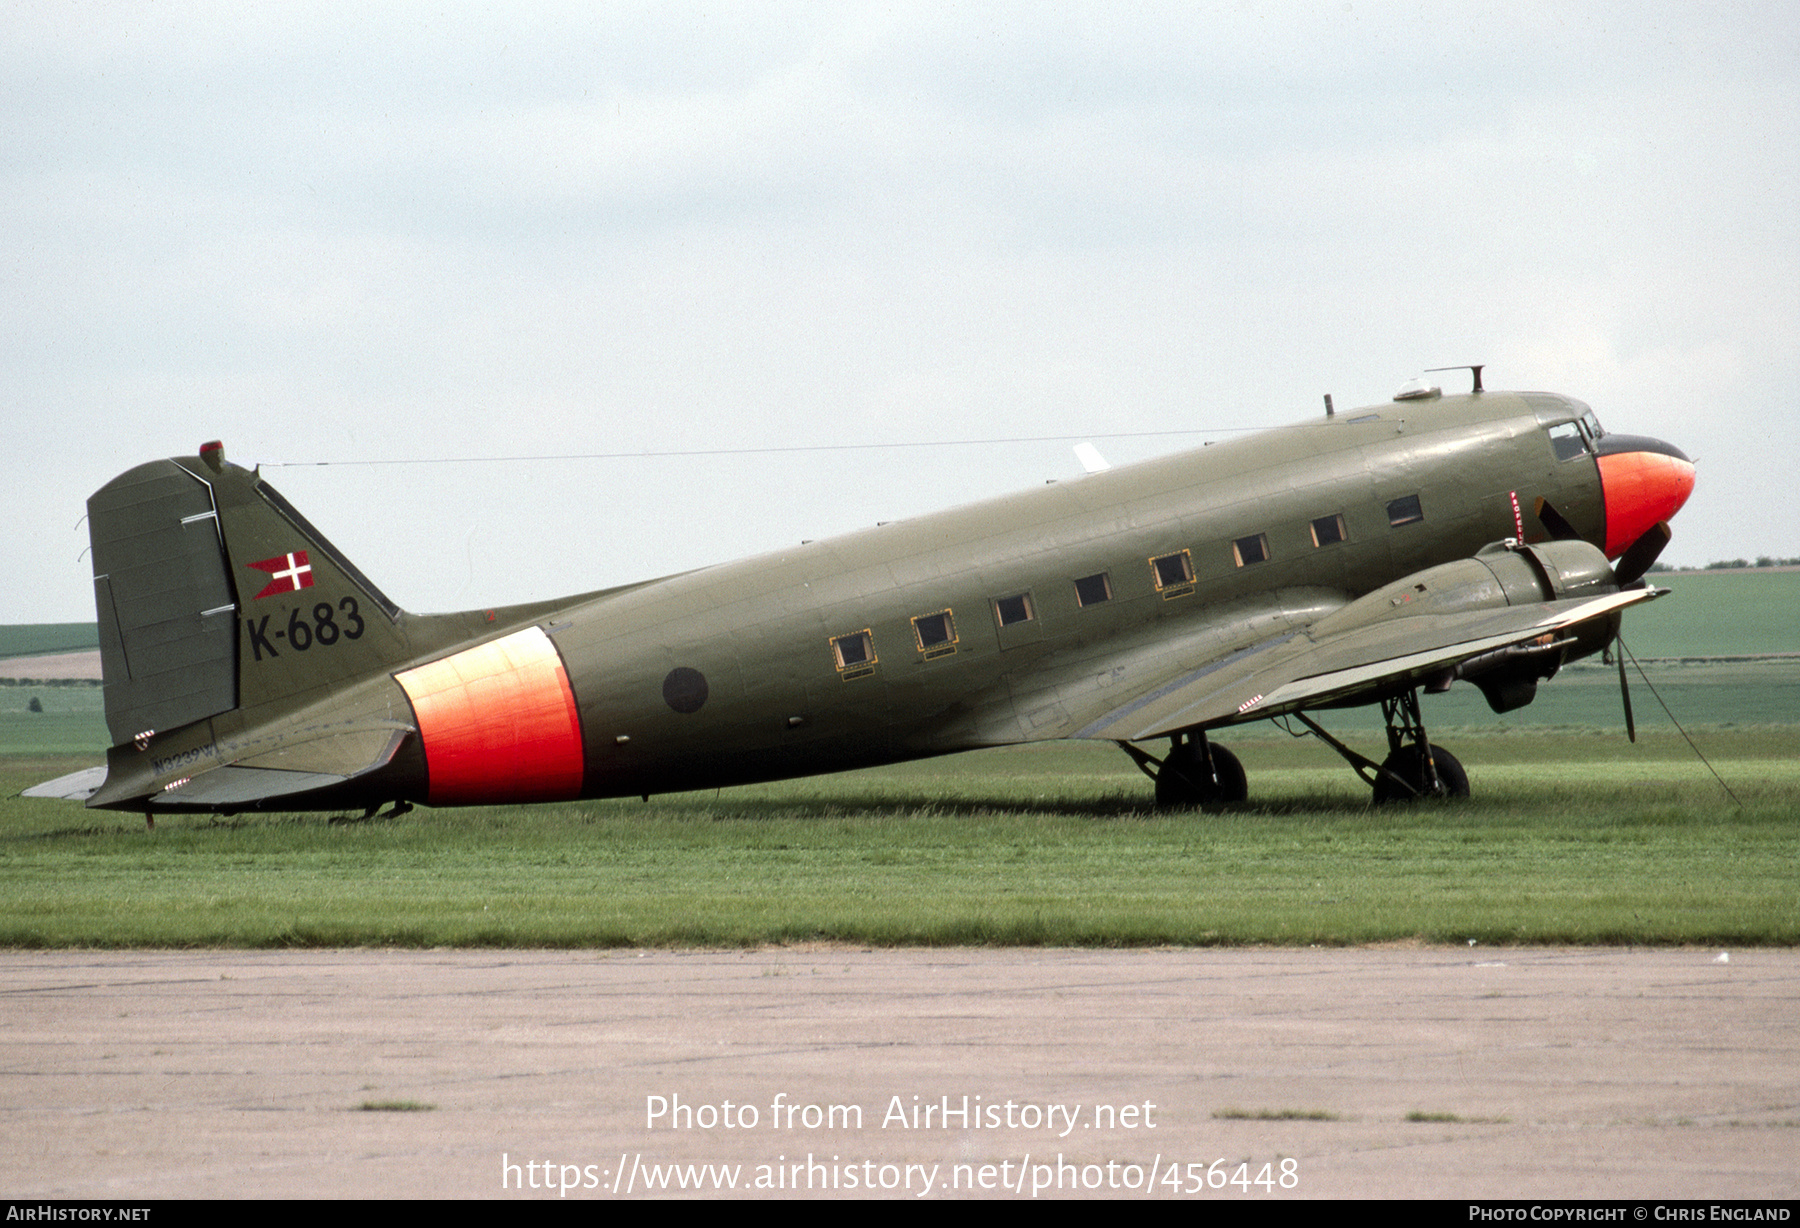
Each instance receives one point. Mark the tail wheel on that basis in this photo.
(1186, 781)
(1409, 764)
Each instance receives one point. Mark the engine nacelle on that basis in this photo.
(1500, 575)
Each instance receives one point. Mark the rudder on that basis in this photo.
(163, 599)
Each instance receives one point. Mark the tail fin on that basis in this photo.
(164, 599)
(308, 619)
(248, 663)
(225, 619)
(213, 593)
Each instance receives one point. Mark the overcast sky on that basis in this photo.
(484, 231)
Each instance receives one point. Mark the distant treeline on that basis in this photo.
(1762, 560)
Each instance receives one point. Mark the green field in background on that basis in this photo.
(1718, 614)
(39, 639)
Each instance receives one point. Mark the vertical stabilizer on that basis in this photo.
(309, 620)
(246, 661)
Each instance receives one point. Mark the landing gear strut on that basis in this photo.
(1414, 768)
(1195, 774)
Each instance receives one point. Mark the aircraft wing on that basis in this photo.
(1315, 667)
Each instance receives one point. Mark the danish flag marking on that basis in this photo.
(288, 573)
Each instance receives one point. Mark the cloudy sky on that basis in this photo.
(443, 233)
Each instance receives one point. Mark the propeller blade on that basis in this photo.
(1641, 553)
(1553, 522)
(1625, 691)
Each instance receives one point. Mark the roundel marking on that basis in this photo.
(685, 689)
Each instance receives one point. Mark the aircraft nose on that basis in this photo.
(1643, 481)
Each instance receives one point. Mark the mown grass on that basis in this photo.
(1571, 838)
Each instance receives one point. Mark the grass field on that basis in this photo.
(1569, 839)
(1573, 835)
(72, 721)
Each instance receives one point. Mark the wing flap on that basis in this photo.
(1084, 692)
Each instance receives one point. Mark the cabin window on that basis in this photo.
(1012, 610)
(1172, 570)
(1248, 550)
(1092, 590)
(1174, 574)
(1405, 510)
(853, 651)
(1329, 530)
(1567, 441)
(936, 633)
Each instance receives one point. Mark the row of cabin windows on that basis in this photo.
(1173, 574)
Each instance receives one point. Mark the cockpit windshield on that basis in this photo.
(1578, 438)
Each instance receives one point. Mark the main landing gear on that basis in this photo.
(1195, 774)
(1414, 768)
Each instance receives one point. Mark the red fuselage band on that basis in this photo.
(498, 723)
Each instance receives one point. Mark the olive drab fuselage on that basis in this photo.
(1115, 606)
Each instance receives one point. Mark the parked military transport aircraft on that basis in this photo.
(1351, 560)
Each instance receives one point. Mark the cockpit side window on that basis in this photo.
(1566, 438)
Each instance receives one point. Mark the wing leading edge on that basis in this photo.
(1320, 667)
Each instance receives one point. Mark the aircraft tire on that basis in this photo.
(1409, 765)
(1183, 783)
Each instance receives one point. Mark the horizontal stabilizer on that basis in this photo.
(242, 775)
(75, 787)
(288, 770)
(228, 787)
